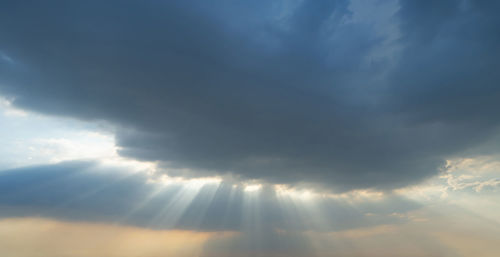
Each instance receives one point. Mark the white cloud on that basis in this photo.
(31, 139)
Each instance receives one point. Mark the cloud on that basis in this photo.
(25, 237)
(92, 192)
(461, 234)
(79, 200)
(287, 93)
(267, 244)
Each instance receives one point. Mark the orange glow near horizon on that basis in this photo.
(27, 237)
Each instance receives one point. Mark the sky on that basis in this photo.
(250, 128)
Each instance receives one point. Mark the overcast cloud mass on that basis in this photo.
(243, 128)
(287, 92)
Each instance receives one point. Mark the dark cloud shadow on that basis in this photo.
(263, 90)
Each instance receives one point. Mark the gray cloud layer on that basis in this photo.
(84, 191)
(282, 92)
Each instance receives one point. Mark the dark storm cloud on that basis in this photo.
(446, 82)
(84, 191)
(448, 71)
(285, 92)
